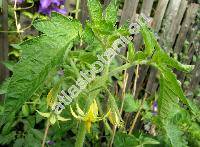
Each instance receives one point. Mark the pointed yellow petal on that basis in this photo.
(107, 114)
(47, 115)
(88, 126)
(74, 114)
(117, 120)
(90, 115)
(114, 119)
(50, 99)
(95, 108)
(111, 118)
(102, 117)
(80, 112)
(62, 118)
(92, 112)
(52, 119)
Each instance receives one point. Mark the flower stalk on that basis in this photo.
(137, 115)
(122, 105)
(45, 134)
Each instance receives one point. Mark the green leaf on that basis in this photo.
(9, 65)
(161, 57)
(4, 86)
(31, 141)
(88, 35)
(122, 140)
(1, 4)
(58, 25)
(173, 84)
(37, 134)
(169, 94)
(16, 46)
(125, 140)
(111, 12)
(95, 10)
(40, 55)
(25, 110)
(130, 103)
(93, 44)
(174, 135)
(102, 28)
(19, 142)
(149, 43)
(83, 56)
(28, 14)
(195, 108)
(131, 52)
(147, 140)
(139, 56)
(194, 135)
(6, 139)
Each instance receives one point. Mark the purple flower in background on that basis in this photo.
(155, 108)
(47, 6)
(49, 142)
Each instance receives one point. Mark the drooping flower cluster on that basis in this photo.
(52, 117)
(47, 6)
(90, 117)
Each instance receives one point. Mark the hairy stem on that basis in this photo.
(134, 90)
(104, 120)
(82, 128)
(45, 134)
(122, 105)
(138, 113)
(135, 81)
(77, 8)
(81, 135)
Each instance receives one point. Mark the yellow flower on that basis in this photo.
(52, 117)
(90, 117)
(115, 119)
(50, 98)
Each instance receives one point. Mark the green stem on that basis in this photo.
(81, 135)
(104, 120)
(77, 8)
(82, 127)
(45, 134)
(138, 113)
(121, 109)
(128, 65)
